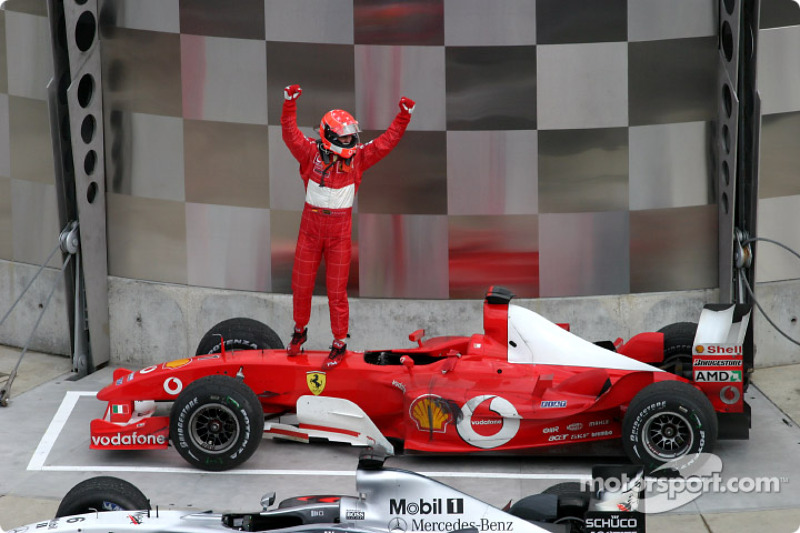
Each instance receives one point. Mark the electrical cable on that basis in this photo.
(752, 239)
(766, 316)
(750, 289)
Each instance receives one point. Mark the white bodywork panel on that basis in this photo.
(334, 419)
(718, 327)
(416, 503)
(133, 522)
(539, 341)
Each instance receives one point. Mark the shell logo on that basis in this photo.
(699, 348)
(429, 413)
(177, 363)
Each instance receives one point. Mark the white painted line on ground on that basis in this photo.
(71, 399)
(506, 475)
(325, 473)
(189, 470)
(55, 427)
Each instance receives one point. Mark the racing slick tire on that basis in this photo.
(666, 421)
(678, 342)
(573, 503)
(239, 334)
(216, 423)
(103, 493)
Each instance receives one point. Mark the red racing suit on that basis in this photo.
(326, 224)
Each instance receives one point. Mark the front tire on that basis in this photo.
(239, 334)
(216, 423)
(103, 493)
(666, 421)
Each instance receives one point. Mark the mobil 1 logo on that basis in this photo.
(434, 506)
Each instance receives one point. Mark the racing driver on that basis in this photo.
(331, 168)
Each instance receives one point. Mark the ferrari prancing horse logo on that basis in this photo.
(316, 382)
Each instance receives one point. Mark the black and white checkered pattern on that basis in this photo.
(559, 147)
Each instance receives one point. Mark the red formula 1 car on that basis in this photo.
(524, 384)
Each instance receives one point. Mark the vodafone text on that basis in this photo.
(134, 439)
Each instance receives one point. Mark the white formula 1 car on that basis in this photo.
(389, 501)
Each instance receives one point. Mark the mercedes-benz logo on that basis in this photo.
(397, 525)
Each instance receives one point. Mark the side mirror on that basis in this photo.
(450, 364)
(417, 336)
(407, 362)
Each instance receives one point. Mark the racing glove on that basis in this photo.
(292, 92)
(407, 105)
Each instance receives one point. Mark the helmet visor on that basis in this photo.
(348, 129)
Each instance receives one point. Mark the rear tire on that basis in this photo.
(573, 502)
(666, 421)
(564, 503)
(216, 423)
(103, 493)
(239, 334)
(678, 343)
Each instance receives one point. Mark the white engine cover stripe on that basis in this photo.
(537, 340)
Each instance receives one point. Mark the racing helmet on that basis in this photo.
(338, 123)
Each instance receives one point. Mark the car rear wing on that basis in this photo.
(718, 365)
(723, 324)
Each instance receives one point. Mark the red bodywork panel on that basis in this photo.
(461, 395)
(645, 347)
(719, 369)
(423, 406)
(149, 434)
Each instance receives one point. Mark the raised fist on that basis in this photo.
(292, 92)
(407, 105)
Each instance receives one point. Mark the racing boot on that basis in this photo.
(337, 354)
(298, 338)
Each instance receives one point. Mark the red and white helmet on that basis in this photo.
(337, 123)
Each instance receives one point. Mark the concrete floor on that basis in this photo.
(44, 438)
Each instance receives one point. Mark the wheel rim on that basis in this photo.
(214, 428)
(668, 435)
